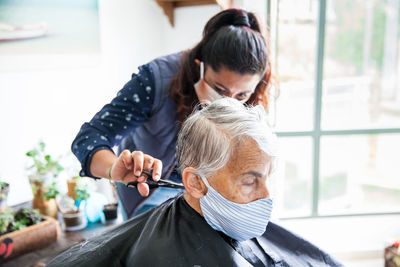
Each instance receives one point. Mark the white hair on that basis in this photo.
(209, 137)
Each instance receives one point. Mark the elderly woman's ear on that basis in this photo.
(193, 183)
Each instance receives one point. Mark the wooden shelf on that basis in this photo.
(169, 5)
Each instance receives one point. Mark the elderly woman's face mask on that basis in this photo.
(238, 194)
(239, 221)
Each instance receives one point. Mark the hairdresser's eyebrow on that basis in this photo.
(223, 86)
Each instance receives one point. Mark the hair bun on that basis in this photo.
(241, 20)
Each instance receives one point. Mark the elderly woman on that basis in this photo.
(225, 153)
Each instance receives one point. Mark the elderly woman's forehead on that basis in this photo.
(247, 154)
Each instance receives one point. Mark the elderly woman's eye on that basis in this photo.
(249, 182)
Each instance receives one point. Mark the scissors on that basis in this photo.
(156, 184)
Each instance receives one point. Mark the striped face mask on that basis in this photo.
(239, 221)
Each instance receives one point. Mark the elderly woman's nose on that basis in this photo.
(263, 191)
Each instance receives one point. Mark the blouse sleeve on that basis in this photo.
(129, 109)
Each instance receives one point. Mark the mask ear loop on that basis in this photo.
(204, 179)
(201, 70)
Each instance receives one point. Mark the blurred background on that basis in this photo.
(336, 109)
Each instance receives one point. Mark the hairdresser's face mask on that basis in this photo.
(203, 90)
(225, 83)
(239, 221)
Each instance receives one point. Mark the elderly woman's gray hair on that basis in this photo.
(208, 138)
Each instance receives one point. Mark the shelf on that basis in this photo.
(169, 5)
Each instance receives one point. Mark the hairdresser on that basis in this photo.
(143, 120)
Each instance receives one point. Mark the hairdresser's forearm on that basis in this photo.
(101, 163)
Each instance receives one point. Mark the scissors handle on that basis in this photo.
(156, 184)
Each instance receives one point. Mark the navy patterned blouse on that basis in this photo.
(128, 110)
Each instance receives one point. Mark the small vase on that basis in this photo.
(110, 211)
(45, 207)
(74, 221)
(71, 188)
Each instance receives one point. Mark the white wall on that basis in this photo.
(133, 32)
(130, 36)
(52, 103)
(188, 27)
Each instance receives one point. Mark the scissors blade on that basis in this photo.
(155, 184)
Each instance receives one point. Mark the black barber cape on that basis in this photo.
(174, 234)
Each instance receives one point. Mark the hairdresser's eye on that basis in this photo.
(242, 96)
(220, 91)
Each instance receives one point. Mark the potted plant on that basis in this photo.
(25, 230)
(43, 171)
(4, 189)
(111, 210)
(11, 221)
(71, 206)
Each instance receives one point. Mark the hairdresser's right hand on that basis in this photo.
(129, 166)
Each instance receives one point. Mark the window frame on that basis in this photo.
(317, 133)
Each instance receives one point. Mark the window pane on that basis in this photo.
(296, 45)
(361, 86)
(292, 181)
(360, 174)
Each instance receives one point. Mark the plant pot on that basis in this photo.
(45, 207)
(28, 239)
(110, 211)
(71, 188)
(3, 196)
(74, 221)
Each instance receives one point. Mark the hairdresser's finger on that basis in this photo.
(122, 166)
(148, 162)
(138, 158)
(143, 189)
(125, 156)
(129, 177)
(147, 166)
(157, 169)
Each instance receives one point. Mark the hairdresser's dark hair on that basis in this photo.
(232, 39)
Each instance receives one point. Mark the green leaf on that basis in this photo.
(52, 191)
(82, 194)
(42, 145)
(18, 225)
(6, 218)
(31, 153)
(43, 163)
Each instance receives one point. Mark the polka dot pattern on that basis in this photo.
(128, 110)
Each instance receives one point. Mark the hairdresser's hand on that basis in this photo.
(128, 168)
(205, 93)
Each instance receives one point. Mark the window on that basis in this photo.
(338, 112)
